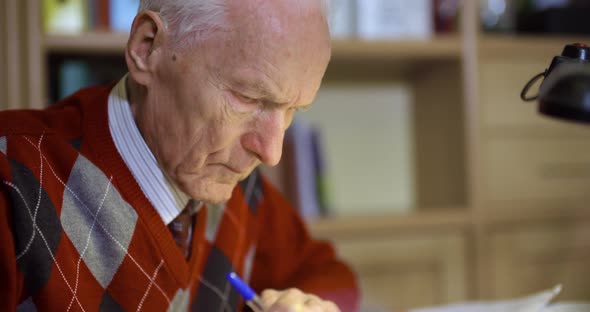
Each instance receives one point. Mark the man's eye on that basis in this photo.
(246, 99)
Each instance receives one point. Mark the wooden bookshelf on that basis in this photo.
(438, 48)
(369, 59)
(425, 222)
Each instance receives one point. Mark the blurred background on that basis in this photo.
(418, 159)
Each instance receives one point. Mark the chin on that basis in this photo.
(213, 192)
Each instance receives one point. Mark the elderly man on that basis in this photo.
(143, 195)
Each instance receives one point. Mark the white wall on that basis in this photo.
(367, 131)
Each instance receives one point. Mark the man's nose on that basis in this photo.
(266, 139)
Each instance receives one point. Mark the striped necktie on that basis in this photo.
(182, 227)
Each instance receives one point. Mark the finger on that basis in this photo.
(313, 300)
(314, 308)
(315, 303)
(292, 296)
(293, 299)
(269, 297)
(278, 307)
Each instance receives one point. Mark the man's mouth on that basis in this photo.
(237, 169)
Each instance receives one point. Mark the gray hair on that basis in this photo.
(193, 20)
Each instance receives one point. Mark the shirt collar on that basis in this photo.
(162, 192)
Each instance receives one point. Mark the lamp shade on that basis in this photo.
(565, 91)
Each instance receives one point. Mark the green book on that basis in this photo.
(64, 16)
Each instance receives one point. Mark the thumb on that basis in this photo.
(283, 307)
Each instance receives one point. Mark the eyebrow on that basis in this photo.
(261, 88)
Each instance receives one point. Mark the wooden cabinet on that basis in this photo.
(530, 258)
(420, 265)
(525, 156)
(399, 271)
(533, 175)
(536, 168)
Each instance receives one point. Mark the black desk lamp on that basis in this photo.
(565, 91)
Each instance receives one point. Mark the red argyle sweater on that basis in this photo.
(78, 234)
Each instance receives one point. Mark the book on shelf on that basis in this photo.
(64, 16)
(98, 15)
(322, 185)
(395, 19)
(76, 16)
(303, 167)
(446, 15)
(73, 75)
(122, 13)
(69, 74)
(392, 19)
(341, 17)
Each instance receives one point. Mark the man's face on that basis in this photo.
(216, 111)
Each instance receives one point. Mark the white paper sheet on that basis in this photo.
(533, 303)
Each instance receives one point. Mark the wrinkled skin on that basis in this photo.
(213, 112)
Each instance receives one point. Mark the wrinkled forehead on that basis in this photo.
(286, 39)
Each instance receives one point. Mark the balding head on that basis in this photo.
(218, 107)
(190, 21)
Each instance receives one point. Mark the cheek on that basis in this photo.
(215, 140)
(208, 124)
(231, 124)
(224, 136)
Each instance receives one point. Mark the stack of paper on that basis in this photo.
(539, 302)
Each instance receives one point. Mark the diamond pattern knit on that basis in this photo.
(77, 233)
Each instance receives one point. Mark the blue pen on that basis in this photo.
(251, 298)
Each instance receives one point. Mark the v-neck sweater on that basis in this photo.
(78, 233)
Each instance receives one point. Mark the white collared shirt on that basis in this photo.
(164, 195)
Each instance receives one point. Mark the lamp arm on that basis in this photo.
(524, 93)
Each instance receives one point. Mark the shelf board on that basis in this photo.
(91, 42)
(506, 214)
(539, 46)
(439, 48)
(535, 211)
(458, 218)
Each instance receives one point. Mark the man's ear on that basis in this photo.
(142, 53)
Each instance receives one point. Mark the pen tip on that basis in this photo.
(240, 286)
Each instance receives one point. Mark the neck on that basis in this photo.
(136, 95)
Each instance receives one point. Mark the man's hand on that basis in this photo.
(294, 300)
